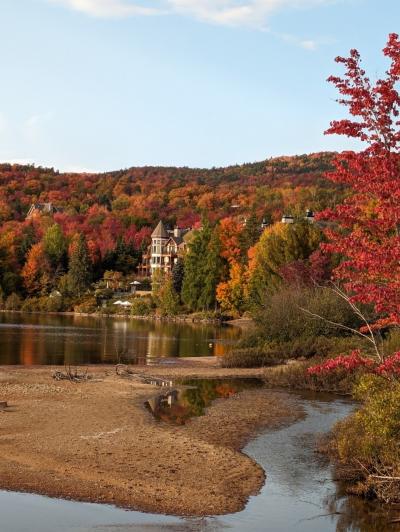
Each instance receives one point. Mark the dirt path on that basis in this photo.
(96, 441)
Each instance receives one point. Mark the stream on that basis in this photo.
(299, 494)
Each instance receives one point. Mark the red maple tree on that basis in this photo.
(366, 227)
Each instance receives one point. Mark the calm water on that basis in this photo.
(299, 494)
(50, 339)
(190, 397)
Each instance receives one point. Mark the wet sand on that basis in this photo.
(95, 441)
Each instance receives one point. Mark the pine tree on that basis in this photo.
(203, 269)
(212, 267)
(168, 299)
(178, 272)
(250, 234)
(193, 278)
(80, 267)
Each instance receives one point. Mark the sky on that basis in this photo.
(97, 85)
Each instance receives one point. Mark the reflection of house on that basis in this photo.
(37, 209)
(165, 249)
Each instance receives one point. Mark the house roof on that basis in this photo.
(177, 239)
(160, 231)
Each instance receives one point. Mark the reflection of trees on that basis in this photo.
(192, 400)
(58, 339)
(355, 513)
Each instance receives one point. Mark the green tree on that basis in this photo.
(203, 269)
(279, 245)
(80, 267)
(168, 299)
(250, 234)
(178, 273)
(212, 271)
(55, 247)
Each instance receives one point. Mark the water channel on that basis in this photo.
(299, 494)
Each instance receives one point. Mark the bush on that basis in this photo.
(282, 319)
(251, 357)
(294, 375)
(86, 306)
(367, 442)
(52, 304)
(13, 302)
(141, 307)
(32, 304)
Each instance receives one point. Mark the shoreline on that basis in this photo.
(183, 318)
(95, 441)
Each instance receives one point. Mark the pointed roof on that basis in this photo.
(160, 231)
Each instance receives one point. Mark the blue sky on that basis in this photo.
(107, 84)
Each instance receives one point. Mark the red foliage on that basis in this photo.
(351, 363)
(390, 367)
(366, 227)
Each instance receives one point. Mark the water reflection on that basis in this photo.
(191, 397)
(29, 339)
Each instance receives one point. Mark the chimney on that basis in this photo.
(177, 232)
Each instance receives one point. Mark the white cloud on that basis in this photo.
(253, 13)
(109, 8)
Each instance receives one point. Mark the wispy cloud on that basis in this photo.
(109, 8)
(253, 13)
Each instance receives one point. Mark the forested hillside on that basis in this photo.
(143, 195)
(116, 211)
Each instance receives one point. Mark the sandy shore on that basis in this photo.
(95, 441)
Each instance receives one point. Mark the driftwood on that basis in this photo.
(3, 405)
(122, 370)
(72, 375)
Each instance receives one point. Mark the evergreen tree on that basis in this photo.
(193, 280)
(212, 271)
(28, 238)
(168, 299)
(203, 268)
(250, 234)
(80, 267)
(178, 272)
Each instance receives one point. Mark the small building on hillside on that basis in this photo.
(39, 209)
(167, 245)
(289, 219)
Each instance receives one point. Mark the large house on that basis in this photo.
(166, 247)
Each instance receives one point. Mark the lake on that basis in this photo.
(41, 339)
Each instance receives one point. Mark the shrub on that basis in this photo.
(251, 357)
(282, 319)
(141, 307)
(87, 305)
(367, 442)
(13, 302)
(52, 304)
(294, 375)
(31, 304)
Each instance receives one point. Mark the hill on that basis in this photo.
(116, 211)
